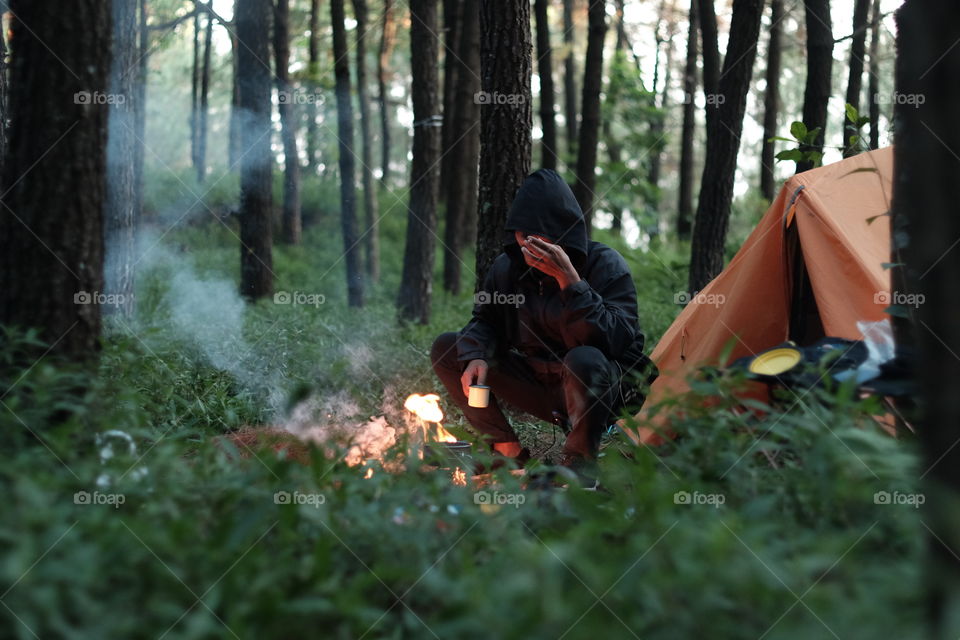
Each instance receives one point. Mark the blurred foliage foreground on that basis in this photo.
(743, 527)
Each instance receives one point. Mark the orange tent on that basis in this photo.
(812, 267)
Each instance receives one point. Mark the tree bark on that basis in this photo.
(387, 40)
(195, 92)
(688, 128)
(586, 179)
(711, 50)
(51, 220)
(611, 100)
(371, 235)
(348, 189)
(505, 64)
(291, 225)
(120, 209)
(816, 92)
(723, 144)
(771, 101)
(461, 225)
(873, 82)
(3, 100)
(413, 302)
(140, 106)
(313, 81)
(204, 104)
(235, 147)
(548, 121)
(858, 49)
(256, 193)
(452, 17)
(925, 227)
(570, 77)
(657, 127)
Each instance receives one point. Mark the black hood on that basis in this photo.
(545, 205)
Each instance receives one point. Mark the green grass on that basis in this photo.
(199, 545)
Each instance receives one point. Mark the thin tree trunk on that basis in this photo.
(313, 81)
(657, 130)
(707, 19)
(348, 189)
(452, 16)
(3, 100)
(816, 92)
(460, 227)
(235, 148)
(204, 106)
(858, 49)
(570, 77)
(195, 92)
(548, 121)
(586, 179)
(291, 224)
(140, 107)
(256, 166)
(371, 235)
(771, 101)
(413, 302)
(924, 228)
(505, 63)
(387, 40)
(611, 100)
(688, 128)
(51, 221)
(723, 145)
(120, 212)
(873, 83)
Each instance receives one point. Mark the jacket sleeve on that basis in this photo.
(479, 340)
(603, 314)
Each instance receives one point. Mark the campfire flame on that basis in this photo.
(427, 408)
(459, 477)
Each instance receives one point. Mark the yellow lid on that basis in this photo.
(775, 361)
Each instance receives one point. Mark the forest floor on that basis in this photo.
(174, 535)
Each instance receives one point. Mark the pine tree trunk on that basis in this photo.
(252, 19)
(924, 228)
(873, 83)
(548, 121)
(611, 100)
(505, 63)
(4, 119)
(235, 148)
(387, 40)
(413, 302)
(707, 19)
(291, 224)
(723, 144)
(858, 49)
(195, 92)
(570, 95)
(348, 188)
(204, 105)
(140, 106)
(771, 101)
(313, 81)
(452, 17)
(816, 92)
(120, 209)
(688, 128)
(657, 128)
(51, 221)
(460, 228)
(586, 179)
(371, 214)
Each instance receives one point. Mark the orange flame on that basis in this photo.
(427, 408)
(459, 477)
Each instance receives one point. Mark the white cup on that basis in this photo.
(479, 396)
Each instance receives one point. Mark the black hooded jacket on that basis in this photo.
(523, 309)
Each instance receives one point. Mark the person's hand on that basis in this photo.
(476, 370)
(551, 259)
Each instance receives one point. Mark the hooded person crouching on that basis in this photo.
(554, 331)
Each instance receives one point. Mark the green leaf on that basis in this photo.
(791, 155)
(852, 114)
(798, 130)
(781, 139)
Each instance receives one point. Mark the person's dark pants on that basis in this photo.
(584, 389)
